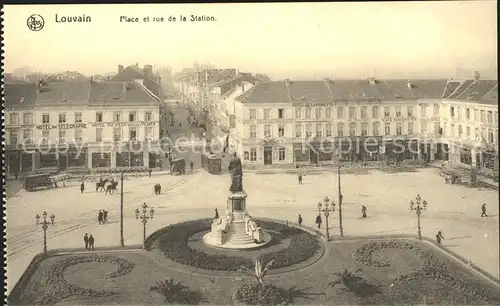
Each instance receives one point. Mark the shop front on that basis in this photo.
(465, 156)
(369, 148)
(13, 161)
(300, 153)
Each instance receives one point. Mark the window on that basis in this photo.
(340, 129)
(460, 132)
(422, 110)
(253, 154)
(308, 130)
(62, 117)
(467, 113)
(459, 113)
(281, 153)
(298, 130)
(267, 113)
(364, 129)
(409, 111)
(387, 129)
(132, 116)
(423, 127)
(352, 129)
(398, 111)
(387, 112)
(78, 117)
(253, 114)
(468, 132)
(376, 127)
(246, 155)
(62, 136)
(490, 137)
(436, 110)
(267, 130)
(148, 132)
(14, 119)
(340, 112)
(410, 128)
(363, 111)
(132, 133)
(496, 118)
(490, 117)
(27, 118)
(98, 117)
(27, 136)
(437, 128)
(319, 130)
(308, 113)
(328, 129)
(352, 112)
(483, 116)
(375, 112)
(445, 129)
(253, 132)
(45, 118)
(399, 128)
(476, 114)
(14, 137)
(328, 112)
(78, 135)
(98, 134)
(117, 116)
(148, 116)
(281, 113)
(298, 112)
(117, 134)
(45, 136)
(318, 112)
(281, 130)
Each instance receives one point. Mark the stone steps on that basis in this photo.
(237, 235)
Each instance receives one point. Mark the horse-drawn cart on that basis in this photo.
(43, 180)
(178, 166)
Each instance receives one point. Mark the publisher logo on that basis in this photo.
(35, 22)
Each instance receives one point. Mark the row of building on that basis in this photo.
(298, 122)
(55, 125)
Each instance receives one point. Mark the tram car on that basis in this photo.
(178, 166)
(211, 163)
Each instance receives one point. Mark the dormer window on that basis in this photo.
(21, 100)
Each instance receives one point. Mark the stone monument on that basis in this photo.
(236, 229)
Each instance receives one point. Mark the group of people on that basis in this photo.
(157, 189)
(102, 217)
(89, 242)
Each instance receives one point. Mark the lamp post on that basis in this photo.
(326, 209)
(45, 226)
(341, 229)
(144, 219)
(418, 210)
(122, 241)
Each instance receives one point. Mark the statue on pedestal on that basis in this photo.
(236, 170)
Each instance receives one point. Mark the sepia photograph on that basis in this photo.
(301, 153)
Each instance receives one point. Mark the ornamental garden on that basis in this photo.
(297, 267)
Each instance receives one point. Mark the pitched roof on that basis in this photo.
(107, 92)
(129, 74)
(416, 89)
(463, 87)
(313, 91)
(491, 97)
(68, 92)
(450, 88)
(266, 92)
(477, 90)
(20, 94)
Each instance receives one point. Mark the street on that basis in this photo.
(452, 209)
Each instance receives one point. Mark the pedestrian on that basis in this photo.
(439, 237)
(159, 189)
(155, 188)
(300, 220)
(91, 243)
(99, 217)
(16, 174)
(319, 221)
(299, 176)
(86, 240)
(216, 214)
(363, 211)
(104, 216)
(150, 172)
(483, 209)
(191, 165)
(82, 187)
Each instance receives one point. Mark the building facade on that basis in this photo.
(80, 125)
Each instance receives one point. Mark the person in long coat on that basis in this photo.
(319, 221)
(82, 187)
(216, 214)
(439, 237)
(300, 220)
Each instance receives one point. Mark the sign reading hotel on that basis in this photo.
(66, 126)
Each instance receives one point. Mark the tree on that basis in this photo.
(354, 283)
(175, 292)
(259, 271)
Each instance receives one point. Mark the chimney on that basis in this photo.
(120, 68)
(287, 82)
(410, 87)
(477, 76)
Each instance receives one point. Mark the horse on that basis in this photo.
(100, 185)
(111, 188)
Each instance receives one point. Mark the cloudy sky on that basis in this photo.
(341, 40)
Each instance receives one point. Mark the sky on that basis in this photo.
(283, 40)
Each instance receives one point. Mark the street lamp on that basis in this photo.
(144, 219)
(326, 209)
(418, 210)
(45, 226)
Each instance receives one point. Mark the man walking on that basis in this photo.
(216, 214)
(363, 211)
(91, 243)
(439, 237)
(299, 176)
(86, 240)
(82, 187)
(104, 216)
(483, 209)
(319, 221)
(191, 166)
(99, 217)
(149, 171)
(300, 220)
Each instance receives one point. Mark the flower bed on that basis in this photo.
(253, 294)
(57, 288)
(174, 245)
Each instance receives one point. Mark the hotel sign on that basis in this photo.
(66, 126)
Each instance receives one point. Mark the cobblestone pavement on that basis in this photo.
(454, 210)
